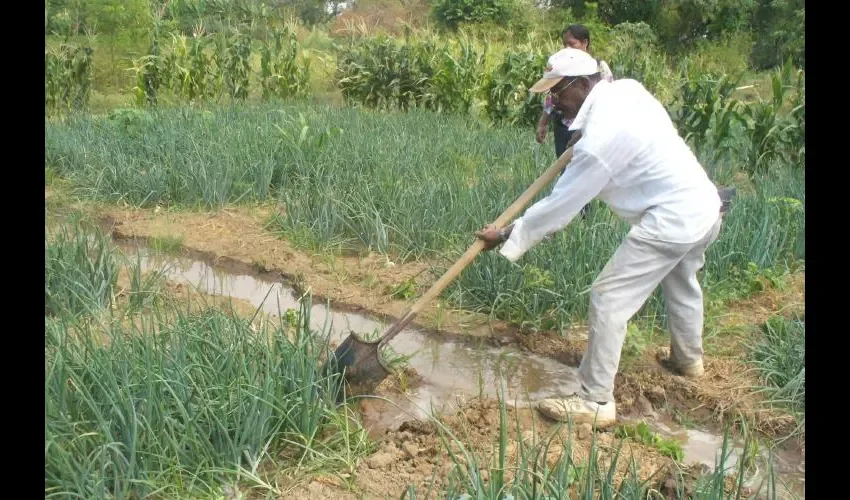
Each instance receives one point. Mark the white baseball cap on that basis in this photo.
(565, 62)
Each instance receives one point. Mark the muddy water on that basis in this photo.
(704, 448)
(450, 369)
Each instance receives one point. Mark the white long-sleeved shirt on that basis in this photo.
(631, 157)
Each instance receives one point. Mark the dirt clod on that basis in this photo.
(411, 449)
(656, 395)
(417, 427)
(380, 460)
(584, 431)
(643, 406)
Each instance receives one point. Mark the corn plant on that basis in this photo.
(771, 132)
(67, 78)
(151, 72)
(704, 112)
(234, 59)
(797, 133)
(194, 73)
(281, 74)
(381, 73)
(508, 100)
(457, 77)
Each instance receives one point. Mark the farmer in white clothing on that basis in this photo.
(630, 157)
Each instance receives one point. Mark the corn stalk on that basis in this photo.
(506, 88)
(705, 113)
(773, 135)
(234, 56)
(281, 75)
(67, 78)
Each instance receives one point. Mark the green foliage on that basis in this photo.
(209, 67)
(234, 61)
(106, 17)
(281, 74)
(780, 358)
(642, 434)
(420, 188)
(774, 134)
(681, 23)
(173, 405)
(215, 15)
(131, 122)
(780, 33)
(79, 272)
(451, 13)
(384, 73)
(626, 11)
(67, 78)
(704, 112)
(404, 290)
(506, 88)
(636, 54)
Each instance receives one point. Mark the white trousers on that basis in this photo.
(624, 285)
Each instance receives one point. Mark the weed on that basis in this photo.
(404, 290)
(642, 434)
(165, 244)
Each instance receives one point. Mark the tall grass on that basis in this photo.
(80, 271)
(178, 404)
(415, 185)
(780, 358)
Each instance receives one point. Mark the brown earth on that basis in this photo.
(416, 455)
(725, 392)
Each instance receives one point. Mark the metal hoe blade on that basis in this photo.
(361, 362)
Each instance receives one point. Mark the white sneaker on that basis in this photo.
(580, 411)
(690, 370)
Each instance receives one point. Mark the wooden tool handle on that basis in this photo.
(548, 176)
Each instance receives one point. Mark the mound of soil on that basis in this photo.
(422, 453)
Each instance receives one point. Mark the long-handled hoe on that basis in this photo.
(360, 360)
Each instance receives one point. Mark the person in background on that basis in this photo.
(576, 36)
